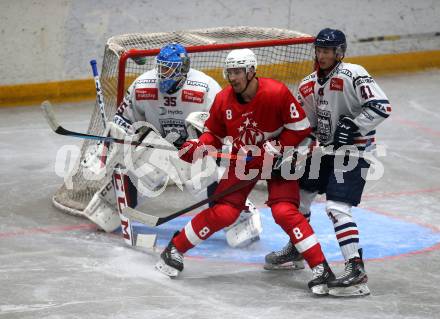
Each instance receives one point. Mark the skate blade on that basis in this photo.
(295, 265)
(353, 291)
(167, 270)
(320, 290)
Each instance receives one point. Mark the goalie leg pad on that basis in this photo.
(102, 209)
(246, 229)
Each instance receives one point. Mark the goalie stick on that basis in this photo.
(99, 97)
(49, 115)
(154, 221)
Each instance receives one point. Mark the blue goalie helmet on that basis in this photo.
(332, 38)
(172, 65)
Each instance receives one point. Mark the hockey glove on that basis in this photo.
(267, 149)
(190, 152)
(345, 131)
(274, 149)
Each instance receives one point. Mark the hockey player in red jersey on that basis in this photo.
(344, 105)
(258, 114)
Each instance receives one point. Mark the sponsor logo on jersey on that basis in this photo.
(162, 110)
(336, 84)
(247, 113)
(197, 83)
(146, 81)
(346, 72)
(165, 111)
(249, 134)
(146, 94)
(363, 79)
(307, 88)
(174, 125)
(367, 115)
(309, 77)
(324, 127)
(175, 112)
(193, 96)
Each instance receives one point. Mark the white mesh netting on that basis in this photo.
(284, 55)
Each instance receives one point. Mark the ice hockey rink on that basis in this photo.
(53, 265)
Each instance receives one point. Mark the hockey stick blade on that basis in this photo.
(153, 221)
(48, 113)
(46, 106)
(140, 217)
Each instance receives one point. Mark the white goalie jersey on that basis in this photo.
(347, 91)
(151, 169)
(167, 112)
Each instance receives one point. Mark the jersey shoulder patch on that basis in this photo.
(146, 79)
(354, 69)
(193, 96)
(309, 77)
(146, 94)
(336, 84)
(307, 88)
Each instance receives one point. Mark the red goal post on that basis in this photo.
(136, 53)
(284, 55)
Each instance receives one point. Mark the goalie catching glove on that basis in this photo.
(150, 168)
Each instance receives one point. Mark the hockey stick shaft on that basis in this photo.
(153, 221)
(99, 97)
(57, 128)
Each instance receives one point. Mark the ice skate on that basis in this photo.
(322, 274)
(171, 261)
(287, 258)
(353, 282)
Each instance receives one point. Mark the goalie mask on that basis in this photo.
(172, 64)
(332, 38)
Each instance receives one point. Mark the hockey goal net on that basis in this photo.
(284, 55)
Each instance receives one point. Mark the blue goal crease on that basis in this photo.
(380, 236)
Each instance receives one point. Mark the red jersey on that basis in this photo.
(273, 114)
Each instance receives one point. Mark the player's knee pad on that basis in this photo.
(286, 214)
(338, 211)
(209, 221)
(246, 228)
(306, 199)
(102, 209)
(217, 217)
(222, 215)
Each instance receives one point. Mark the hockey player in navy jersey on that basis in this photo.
(344, 105)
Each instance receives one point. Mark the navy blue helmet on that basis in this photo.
(332, 38)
